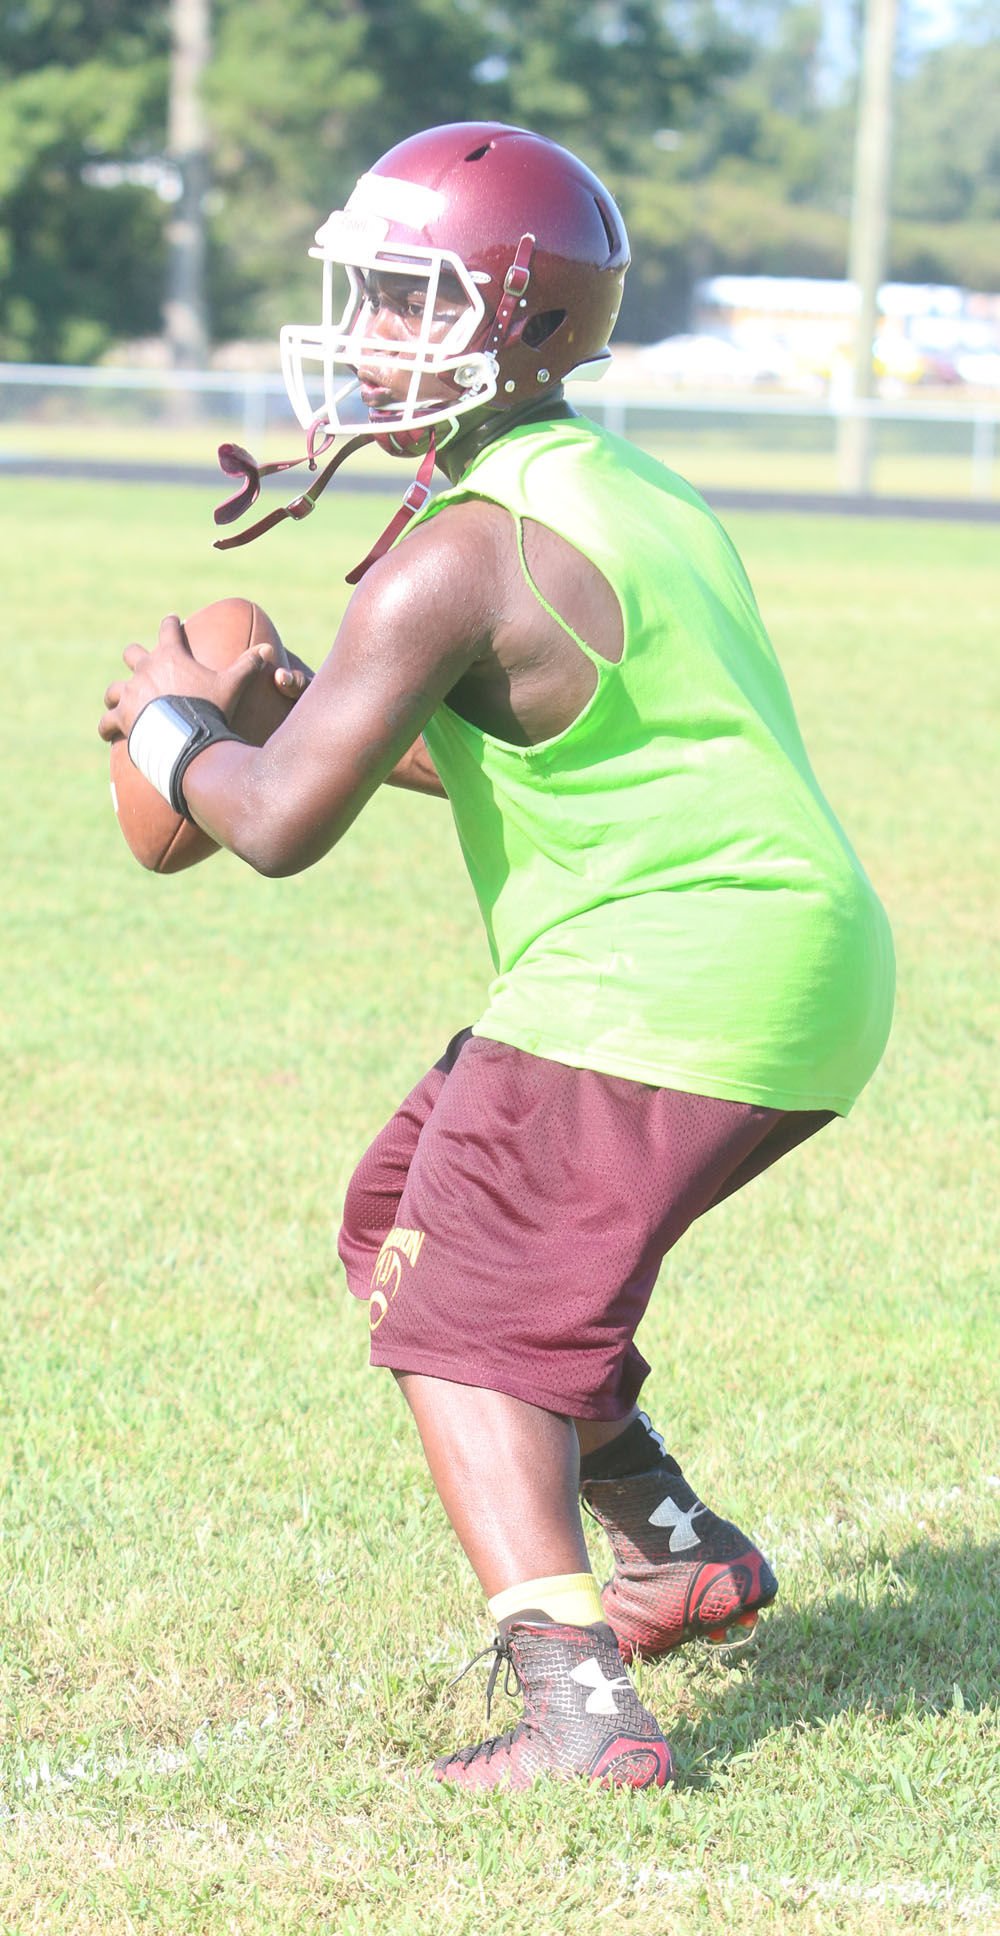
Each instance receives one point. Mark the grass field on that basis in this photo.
(231, 1604)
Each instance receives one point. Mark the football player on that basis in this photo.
(693, 971)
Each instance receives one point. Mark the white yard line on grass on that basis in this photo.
(682, 1884)
(90, 1767)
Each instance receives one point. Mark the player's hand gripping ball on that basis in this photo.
(218, 634)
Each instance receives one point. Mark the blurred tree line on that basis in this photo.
(713, 121)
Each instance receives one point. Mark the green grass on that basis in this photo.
(231, 1605)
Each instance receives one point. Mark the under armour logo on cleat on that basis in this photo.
(602, 1700)
(683, 1535)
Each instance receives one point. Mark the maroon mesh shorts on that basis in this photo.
(508, 1223)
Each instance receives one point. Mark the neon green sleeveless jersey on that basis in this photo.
(666, 893)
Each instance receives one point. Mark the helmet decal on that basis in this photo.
(347, 236)
(398, 201)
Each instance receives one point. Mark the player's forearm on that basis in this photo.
(417, 773)
(266, 818)
(223, 795)
(281, 816)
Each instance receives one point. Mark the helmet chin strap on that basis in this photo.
(237, 462)
(413, 501)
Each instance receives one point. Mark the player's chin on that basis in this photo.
(414, 441)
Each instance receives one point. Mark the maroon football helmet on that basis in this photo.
(518, 255)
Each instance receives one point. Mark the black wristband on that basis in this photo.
(168, 734)
(210, 728)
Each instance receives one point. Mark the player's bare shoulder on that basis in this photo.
(472, 545)
(449, 579)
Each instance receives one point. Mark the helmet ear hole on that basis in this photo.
(538, 329)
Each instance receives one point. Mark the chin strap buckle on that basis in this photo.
(417, 496)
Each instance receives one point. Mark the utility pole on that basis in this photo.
(184, 313)
(868, 250)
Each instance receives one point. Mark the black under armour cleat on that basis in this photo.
(582, 1717)
(680, 1573)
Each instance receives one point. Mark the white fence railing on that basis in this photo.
(944, 448)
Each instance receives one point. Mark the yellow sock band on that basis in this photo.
(572, 1599)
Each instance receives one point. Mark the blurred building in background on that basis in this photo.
(795, 333)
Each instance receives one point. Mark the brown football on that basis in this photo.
(157, 836)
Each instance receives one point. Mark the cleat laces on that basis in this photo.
(499, 1647)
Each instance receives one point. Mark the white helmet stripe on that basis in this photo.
(397, 201)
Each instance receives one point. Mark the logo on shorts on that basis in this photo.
(401, 1246)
